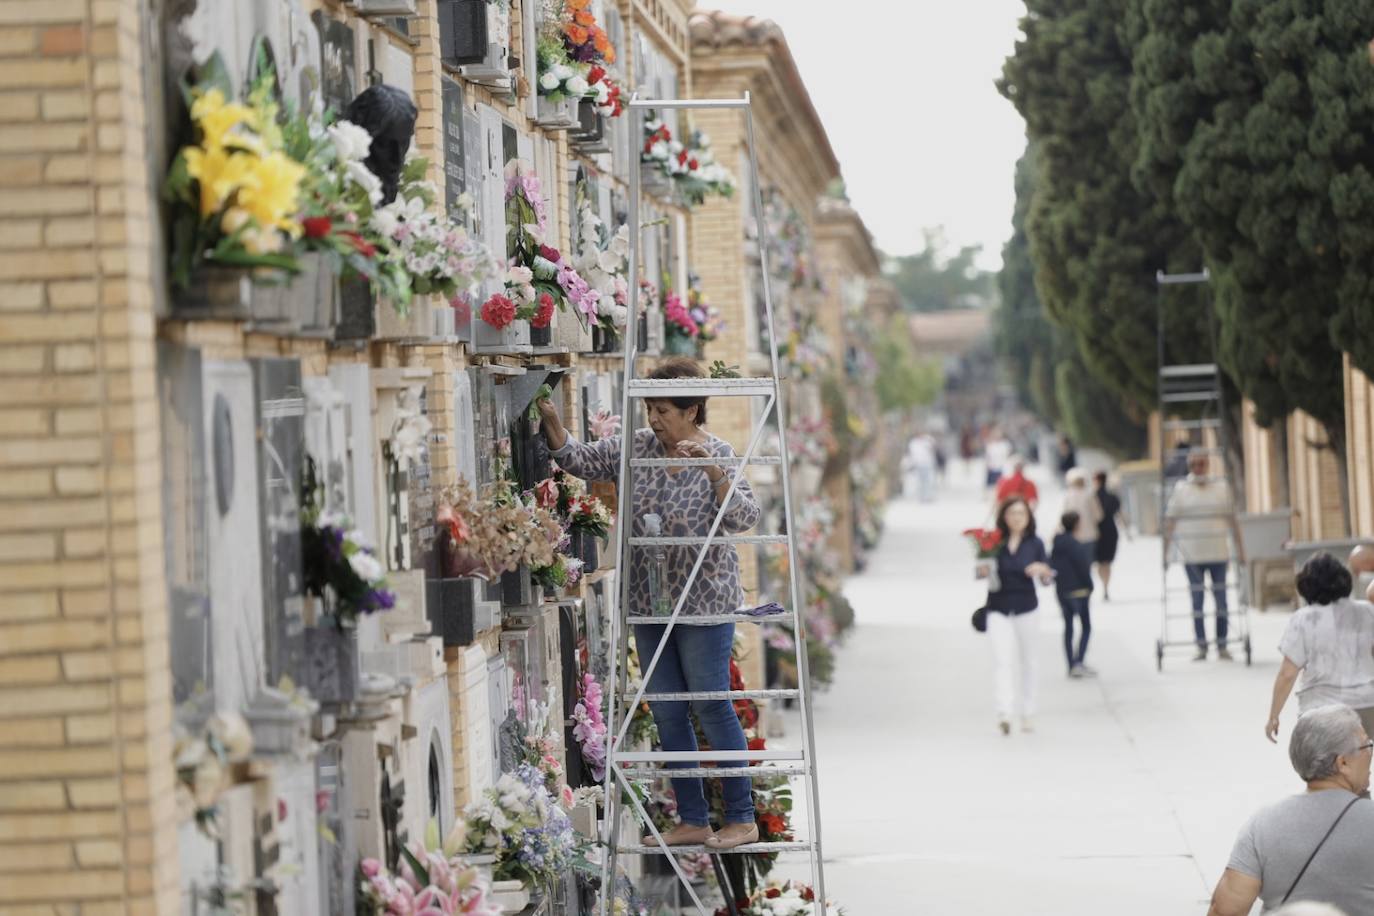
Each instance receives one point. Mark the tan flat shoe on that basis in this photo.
(683, 835)
(732, 835)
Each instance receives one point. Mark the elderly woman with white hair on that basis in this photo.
(1080, 498)
(1314, 846)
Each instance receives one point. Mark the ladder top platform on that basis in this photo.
(701, 387)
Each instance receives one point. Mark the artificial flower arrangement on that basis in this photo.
(235, 192)
(203, 765)
(538, 278)
(432, 879)
(519, 822)
(573, 55)
(781, 898)
(340, 567)
(809, 441)
(707, 317)
(580, 510)
(589, 726)
(498, 531)
(603, 424)
(603, 260)
(986, 541)
(691, 167)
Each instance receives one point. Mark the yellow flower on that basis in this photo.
(220, 172)
(271, 193)
(217, 117)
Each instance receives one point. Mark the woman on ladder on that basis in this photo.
(684, 500)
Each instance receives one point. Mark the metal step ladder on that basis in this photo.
(1192, 401)
(625, 764)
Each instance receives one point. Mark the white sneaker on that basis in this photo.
(1027, 725)
(1085, 671)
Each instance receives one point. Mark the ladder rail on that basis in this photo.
(799, 618)
(616, 776)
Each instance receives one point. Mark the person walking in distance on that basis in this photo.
(1198, 519)
(1330, 642)
(1068, 456)
(1011, 618)
(1108, 531)
(920, 454)
(1314, 845)
(1082, 501)
(996, 452)
(1017, 484)
(1073, 581)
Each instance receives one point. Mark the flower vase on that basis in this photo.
(587, 548)
(332, 669)
(680, 345)
(653, 181)
(605, 341)
(643, 335)
(557, 115)
(541, 337)
(215, 292)
(986, 568)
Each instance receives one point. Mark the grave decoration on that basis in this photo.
(341, 569)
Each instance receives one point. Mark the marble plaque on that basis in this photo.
(280, 435)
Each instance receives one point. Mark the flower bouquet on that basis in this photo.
(340, 567)
(203, 765)
(589, 726)
(432, 880)
(782, 898)
(518, 821)
(691, 168)
(234, 191)
(602, 259)
(987, 542)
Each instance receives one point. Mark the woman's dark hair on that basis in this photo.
(1324, 579)
(1100, 478)
(682, 367)
(1002, 518)
(1069, 520)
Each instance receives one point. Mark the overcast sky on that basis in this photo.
(905, 88)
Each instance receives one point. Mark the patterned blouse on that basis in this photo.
(687, 505)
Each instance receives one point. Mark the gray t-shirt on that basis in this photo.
(1333, 644)
(1277, 841)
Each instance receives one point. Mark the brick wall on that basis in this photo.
(1263, 464)
(1314, 482)
(86, 800)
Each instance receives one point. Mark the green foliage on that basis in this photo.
(1256, 117)
(1041, 359)
(1094, 239)
(905, 380)
(935, 278)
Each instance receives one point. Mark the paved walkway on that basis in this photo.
(1125, 800)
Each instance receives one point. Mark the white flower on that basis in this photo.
(577, 86)
(602, 93)
(385, 221)
(562, 71)
(362, 176)
(548, 82)
(464, 201)
(233, 734)
(519, 275)
(609, 261)
(368, 567)
(351, 142)
(658, 151)
(207, 781)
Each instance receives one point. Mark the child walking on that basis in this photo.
(1074, 584)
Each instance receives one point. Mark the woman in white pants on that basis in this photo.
(1011, 616)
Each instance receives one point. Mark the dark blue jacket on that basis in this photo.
(1017, 592)
(1072, 568)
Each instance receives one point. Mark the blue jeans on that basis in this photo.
(1217, 573)
(1075, 608)
(694, 659)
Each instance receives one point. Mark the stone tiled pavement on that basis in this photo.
(1125, 800)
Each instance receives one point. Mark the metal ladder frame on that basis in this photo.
(1237, 614)
(621, 712)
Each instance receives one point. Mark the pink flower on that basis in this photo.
(546, 492)
(604, 424)
(370, 867)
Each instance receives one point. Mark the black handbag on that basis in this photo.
(980, 620)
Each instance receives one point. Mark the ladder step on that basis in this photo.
(700, 387)
(732, 462)
(703, 539)
(1188, 369)
(655, 849)
(775, 694)
(1190, 397)
(758, 772)
(703, 756)
(1212, 423)
(706, 620)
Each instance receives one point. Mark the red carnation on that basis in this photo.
(550, 254)
(757, 744)
(692, 164)
(808, 894)
(363, 246)
(498, 311)
(682, 158)
(542, 317)
(772, 893)
(316, 227)
(594, 75)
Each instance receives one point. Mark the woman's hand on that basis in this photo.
(554, 432)
(1038, 570)
(690, 448)
(1271, 730)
